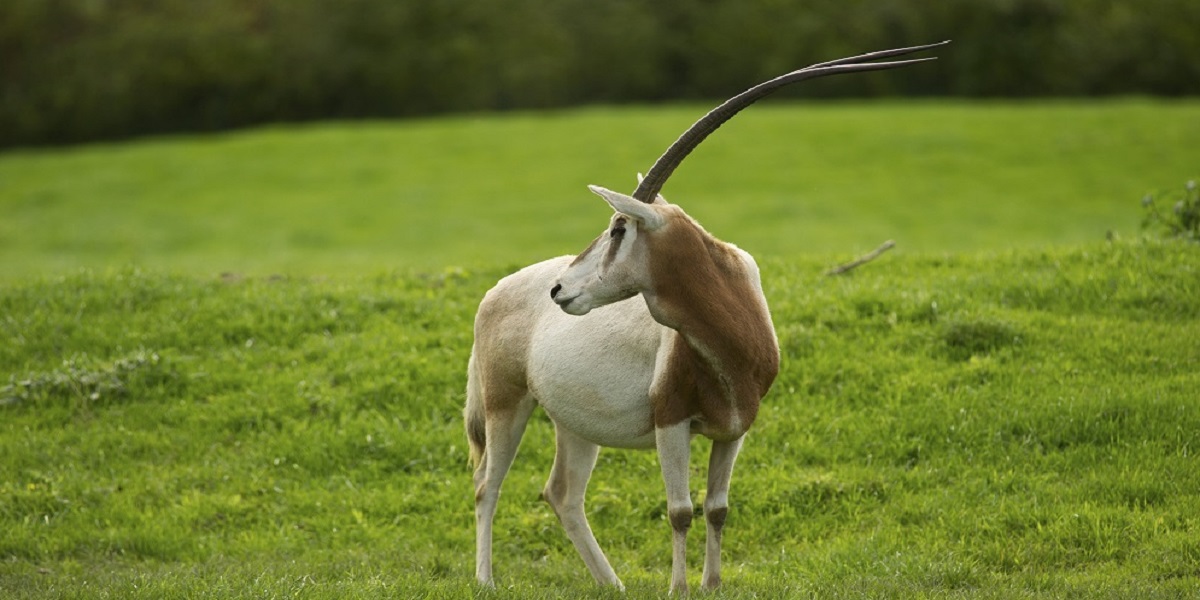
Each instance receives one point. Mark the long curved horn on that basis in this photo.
(652, 183)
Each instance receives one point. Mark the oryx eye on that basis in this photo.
(618, 229)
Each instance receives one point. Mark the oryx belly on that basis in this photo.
(592, 373)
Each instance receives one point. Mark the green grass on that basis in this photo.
(1004, 407)
(1008, 424)
(781, 179)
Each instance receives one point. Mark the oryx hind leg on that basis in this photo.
(574, 460)
(504, 430)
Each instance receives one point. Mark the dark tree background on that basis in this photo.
(77, 70)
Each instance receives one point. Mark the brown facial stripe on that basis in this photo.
(618, 236)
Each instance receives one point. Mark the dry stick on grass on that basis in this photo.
(862, 260)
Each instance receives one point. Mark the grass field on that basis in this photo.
(1002, 408)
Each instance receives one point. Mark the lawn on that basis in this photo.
(1005, 424)
(233, 366)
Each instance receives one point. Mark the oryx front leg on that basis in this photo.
(574, 460)
(674, 448)
(504, 431)
(716, 506)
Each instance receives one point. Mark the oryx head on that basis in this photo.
(616, 265)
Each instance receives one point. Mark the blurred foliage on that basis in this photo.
(74, 70)
(1183, 219)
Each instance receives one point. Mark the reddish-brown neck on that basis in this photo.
(726, 356)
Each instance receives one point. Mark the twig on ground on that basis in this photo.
(862, 260)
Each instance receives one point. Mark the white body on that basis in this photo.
(592, 374)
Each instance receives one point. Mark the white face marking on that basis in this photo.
(611, 269)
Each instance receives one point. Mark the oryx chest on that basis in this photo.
(592, 374)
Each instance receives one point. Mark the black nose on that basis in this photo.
(555, 290)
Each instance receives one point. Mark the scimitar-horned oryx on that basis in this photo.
(694, 356)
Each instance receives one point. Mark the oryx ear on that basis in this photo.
(645, 214)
